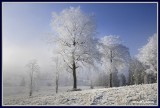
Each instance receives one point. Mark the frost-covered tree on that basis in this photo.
(115, 79)
(33, 69)
(136, 72)
(91, 75)
(148, 56)
(101, 79)
(74, 38)
(114, 54)
(58, 69)
(123, 79)
(57, 74)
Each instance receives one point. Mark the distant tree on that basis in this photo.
(123, 80)
(150, 78)
(136, 72)
(57, 73)
(115, 79)
(59, 68)
(101, 79)
(74, 38)
(33, 69)
(90, 75)
(148, 56)
(114, 54)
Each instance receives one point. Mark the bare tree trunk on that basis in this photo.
(74, 76)
(30, 93)
(91, 86)
(57, 74)
(111, 70)
(31, 87)
(31, 84)
(57, 84)
(110, 81)
(33, 67)
(74, 69)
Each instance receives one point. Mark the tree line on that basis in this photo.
(77, 47)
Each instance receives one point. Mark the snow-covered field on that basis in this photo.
(128, 95)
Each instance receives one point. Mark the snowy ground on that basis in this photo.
(128, 95)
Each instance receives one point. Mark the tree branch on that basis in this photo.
(66, 61)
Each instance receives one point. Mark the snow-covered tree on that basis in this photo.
(57, 74)
(74, 38)
(114, 54)
(123, 79)
(33, 69)
(136, 72)
(91, 75)
(115, 79)
(58, 69)
(148, 55)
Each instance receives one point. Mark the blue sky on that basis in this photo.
(25, 25)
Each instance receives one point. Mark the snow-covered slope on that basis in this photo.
(128, 95)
